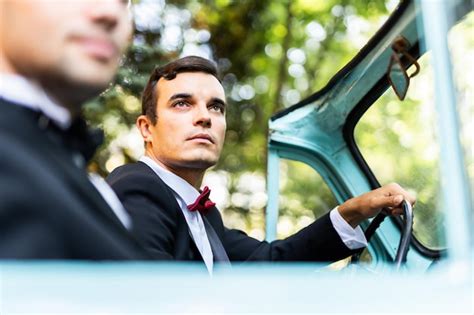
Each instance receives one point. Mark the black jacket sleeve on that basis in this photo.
(317, 242)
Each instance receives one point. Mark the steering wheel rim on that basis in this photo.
(404, 245)
(405, 238)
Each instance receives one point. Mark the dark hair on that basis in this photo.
(169, 72)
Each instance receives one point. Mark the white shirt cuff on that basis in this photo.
(353, 238)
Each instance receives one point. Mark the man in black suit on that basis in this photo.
(183, 125)
(54, 55)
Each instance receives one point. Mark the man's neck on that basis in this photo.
(60, 92)
(193, 176)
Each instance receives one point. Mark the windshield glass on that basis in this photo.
(399, 142)
(461, 46)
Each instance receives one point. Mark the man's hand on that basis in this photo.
(368, 205)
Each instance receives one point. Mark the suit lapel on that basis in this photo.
(190, 245)
(217, 248)
(57, 158)
(79, 181)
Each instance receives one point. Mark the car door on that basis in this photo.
(357, 134)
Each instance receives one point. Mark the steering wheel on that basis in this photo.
(405, 238)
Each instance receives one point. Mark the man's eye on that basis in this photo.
(180, 104)
(217, 108)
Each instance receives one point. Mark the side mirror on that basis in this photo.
(396, 72)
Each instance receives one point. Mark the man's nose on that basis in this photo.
(107, 13)
(202, 116)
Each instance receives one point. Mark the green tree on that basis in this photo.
(271, 54)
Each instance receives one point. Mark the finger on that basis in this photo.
(411, 199)
(386, 201)
(395, 189)
(397, 211)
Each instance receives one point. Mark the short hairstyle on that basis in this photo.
(169, 72)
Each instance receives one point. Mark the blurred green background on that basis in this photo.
(271, 54)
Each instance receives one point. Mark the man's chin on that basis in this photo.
(89, 71)
(97, 78)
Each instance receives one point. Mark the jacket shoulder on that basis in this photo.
(139, 179)
(131, 173)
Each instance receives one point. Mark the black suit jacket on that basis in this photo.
(48, 207)
(158, 222)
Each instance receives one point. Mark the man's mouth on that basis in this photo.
(99, 48)
(202, 137)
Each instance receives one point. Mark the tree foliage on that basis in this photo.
(271, 54)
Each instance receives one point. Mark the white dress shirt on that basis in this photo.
(29, 94)
(185, 195)
(352, 238)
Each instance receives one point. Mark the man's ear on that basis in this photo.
(143, 125)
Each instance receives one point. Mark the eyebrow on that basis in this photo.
(218, 100)
(187, 95)
(180, 95)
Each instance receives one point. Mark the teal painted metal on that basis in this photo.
(313, 134)
(273, 192)
(456, 197)
(156, 288)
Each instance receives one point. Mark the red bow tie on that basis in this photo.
(202, 204)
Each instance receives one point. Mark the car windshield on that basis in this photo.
(399, 142)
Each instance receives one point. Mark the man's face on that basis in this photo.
(73, 44)
(190, 128)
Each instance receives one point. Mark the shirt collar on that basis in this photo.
(181, 187)
(29, 94)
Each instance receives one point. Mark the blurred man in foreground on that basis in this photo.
(183, 125)
(54, 55)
